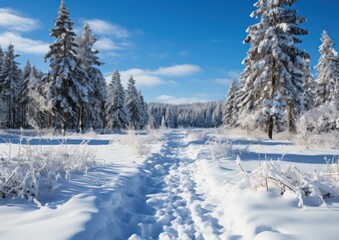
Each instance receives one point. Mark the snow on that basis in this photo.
(172, 184)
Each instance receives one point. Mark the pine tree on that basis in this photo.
(217, 115)
(66, 90)
(145, 118)
(37, 109)
(22, 94)
(116, 114)
(170, 117)
(272, 79)
(9, 79)
(309, 85)
(133, 105)
(93, 111)
(230, 110)
(327, 71)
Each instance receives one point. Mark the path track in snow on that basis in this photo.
(169, 206)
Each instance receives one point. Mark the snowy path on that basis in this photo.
(172, 207)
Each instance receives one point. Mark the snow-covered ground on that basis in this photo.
(173, 184)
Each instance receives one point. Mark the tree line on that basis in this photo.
(200, 115)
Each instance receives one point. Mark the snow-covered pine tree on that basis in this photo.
(66, 90)
(93, 111)
(133, 105)
(327, 71)
(9, 78)
(272, 79)
(217, 114)
(116, 113)
(144, 113)
(170, 117)
(37, 110)
(230, 111)
(309, 85)
(22, 94)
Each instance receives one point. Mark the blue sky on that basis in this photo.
(178, 51)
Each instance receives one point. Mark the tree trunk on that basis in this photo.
(64, 123)
(291, 120)
(270, 122)
(80, 120)
(270, 127)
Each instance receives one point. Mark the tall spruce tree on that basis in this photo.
(22, 94)
(272, 80)
(230, 111)
(10, 75)
(327, 71)
(37, 110)
(93, 111)
(145, 118)
(217, 114)
(66, 90)
(170, 117)
(133, 105)
(309, 85)
(116, 114)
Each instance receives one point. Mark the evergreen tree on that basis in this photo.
(116, 114)
(66, 90)
(9, 78)
(133, 105)
(309, 94)
(170, 117)
(93, 111)
(327, 70)
(230, 107)
(145, 118)
(272, 79)
(37, 109)
(217, 115)
(22, 94)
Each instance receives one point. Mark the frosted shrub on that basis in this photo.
(196, 135)
(318, 127)
(219, 148)
(141, 142)
(38, 169)
(313, 186)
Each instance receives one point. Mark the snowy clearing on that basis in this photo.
(173, 184)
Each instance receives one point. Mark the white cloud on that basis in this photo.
(178, 70)
(22, 44)
(106, 44)
(112, 38)
(183, 53)
(16, 24)
(174, 100)
(164, 98)
(230, 76)
(142, 77)
(223, 81)
(160, 76)
(106, 28)
(13, 21)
